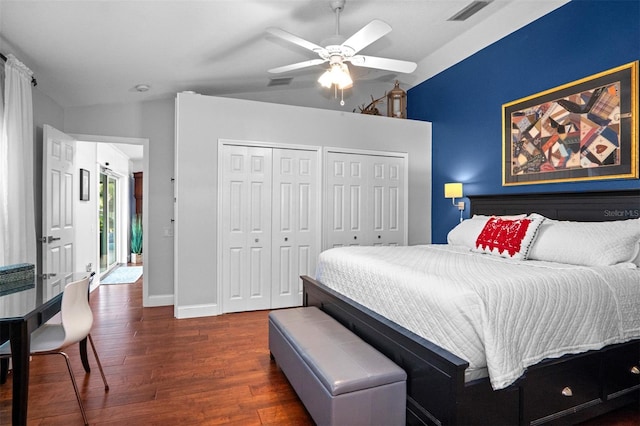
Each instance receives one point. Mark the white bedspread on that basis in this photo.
(494, 312)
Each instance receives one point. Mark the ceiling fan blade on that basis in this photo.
(384, 63)
(367, 35)
(295, 39)
(297, 66)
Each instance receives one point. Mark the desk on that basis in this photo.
(19, 317)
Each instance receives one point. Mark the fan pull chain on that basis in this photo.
(341, 97)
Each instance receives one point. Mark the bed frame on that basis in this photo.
(564, 390)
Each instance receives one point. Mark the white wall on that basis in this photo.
(136, 166)
(86, 244)
(202, 120)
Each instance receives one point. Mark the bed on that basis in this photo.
(565, 389)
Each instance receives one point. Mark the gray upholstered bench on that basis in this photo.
(340, 379)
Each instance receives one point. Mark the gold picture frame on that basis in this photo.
(583, 130)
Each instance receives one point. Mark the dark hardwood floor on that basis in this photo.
(164, 371)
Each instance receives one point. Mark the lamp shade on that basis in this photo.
(453, 190)
(325, 79)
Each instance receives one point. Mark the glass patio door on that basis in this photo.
(108, 221)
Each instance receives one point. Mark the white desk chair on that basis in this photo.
(51, 339)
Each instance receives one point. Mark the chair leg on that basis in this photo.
(73, 381)
(95, 354)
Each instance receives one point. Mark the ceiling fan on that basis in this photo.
(339, 51)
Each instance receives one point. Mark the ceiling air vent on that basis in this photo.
(469, 10)
(283, 81)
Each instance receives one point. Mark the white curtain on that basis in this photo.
(17, 207)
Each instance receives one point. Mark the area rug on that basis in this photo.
(123, 275)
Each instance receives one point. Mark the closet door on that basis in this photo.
(365, 202)
(294, 218)
(386, 199)
(346, 191)
(246, 228)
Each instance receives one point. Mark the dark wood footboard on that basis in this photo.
(598, 381)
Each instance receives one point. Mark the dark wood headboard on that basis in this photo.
(578, 206)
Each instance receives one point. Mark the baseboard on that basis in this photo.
(194, 311)
(159, 300)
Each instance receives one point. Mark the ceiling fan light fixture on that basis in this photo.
(337, 75)
(336, 50)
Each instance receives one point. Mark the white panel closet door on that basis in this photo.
(346, 189)
(295, 234)
(365, 202)
(386, 198)
(246, 228)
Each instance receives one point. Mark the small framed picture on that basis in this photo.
(84, 185)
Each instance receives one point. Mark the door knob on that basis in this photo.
(286, 238)
(257, 240)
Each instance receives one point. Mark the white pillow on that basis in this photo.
(587, 243)
(467, 231)
(510, 238)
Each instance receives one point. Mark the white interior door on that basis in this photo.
(246, 228)
(294, 218)
(386, 199)
(59, 187)
(365, 202)
(346, 186)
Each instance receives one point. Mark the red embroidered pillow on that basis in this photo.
(508, 238)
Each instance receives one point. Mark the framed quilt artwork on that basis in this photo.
(584, 130)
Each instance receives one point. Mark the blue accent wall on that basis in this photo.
(464, 102)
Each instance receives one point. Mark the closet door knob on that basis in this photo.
(635, 370)
(567, 391)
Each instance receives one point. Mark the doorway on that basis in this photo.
(111, 242)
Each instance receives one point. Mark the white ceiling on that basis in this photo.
(95, 52)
